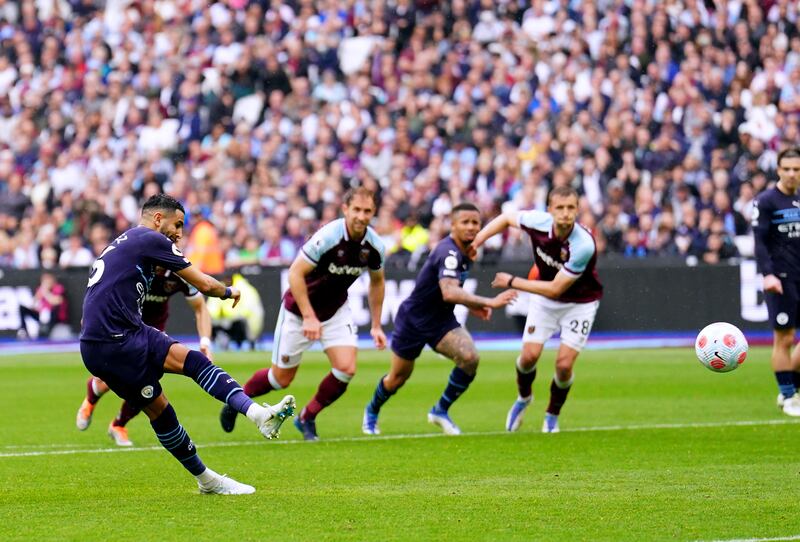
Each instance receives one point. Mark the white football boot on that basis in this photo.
(223, 485)
(791, 405)
(272, 417)
(441, 418)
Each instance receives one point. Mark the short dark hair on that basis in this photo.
(562, 192)
(362, 192)
(790, 152)
(162, 202)
(465, 206)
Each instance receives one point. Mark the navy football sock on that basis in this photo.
(457, 384)
(174, 438)
(796, 375)
(215, 381)
(786, 382)
(380, 396)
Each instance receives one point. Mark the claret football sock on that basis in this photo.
(93, 391)
(126, 413)
(457, 384)
(174, 438)
(263, 381)
(215, 381)
(380, 396)
(786, 382)
(330, 389)
(558, 394)
(525, 378)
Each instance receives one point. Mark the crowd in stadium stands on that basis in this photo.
(257, 115)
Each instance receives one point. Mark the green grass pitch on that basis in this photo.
(653, 447)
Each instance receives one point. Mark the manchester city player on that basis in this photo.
(565, 297)
(426, 317)
(776, 228)
(131, 357)
(315, 309)
(155, 312)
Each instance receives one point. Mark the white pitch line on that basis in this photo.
(642, 427)
(776, 539)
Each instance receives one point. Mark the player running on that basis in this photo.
(315, 309)
(566, 296)
(426, 317)
(155, 312)
(776, 228)
(131, 357)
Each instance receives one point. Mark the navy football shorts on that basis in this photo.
(133, 366)
(408, 342)
(784, 309)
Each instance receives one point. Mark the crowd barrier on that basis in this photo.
(640, 296)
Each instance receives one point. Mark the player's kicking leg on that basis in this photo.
(526, 374)
(333, 386)
(388, 385)
(174, 438)
(95, 389)
(262, 382)
(458, 346)
(220, 385)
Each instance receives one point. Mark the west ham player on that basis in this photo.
(566, 296)
(315, 309)
(155, 312)
(776, 228)
(131, 357)
(426, 317)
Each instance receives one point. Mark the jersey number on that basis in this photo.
(98, 268)
(579, 327)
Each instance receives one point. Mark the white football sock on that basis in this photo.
(207, 478)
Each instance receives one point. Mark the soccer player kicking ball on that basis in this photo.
(131, 357)
(315, 309)
(566, 296)
(155, 312)
(776, 228)
(426, 317)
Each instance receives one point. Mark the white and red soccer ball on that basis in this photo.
(721, 347)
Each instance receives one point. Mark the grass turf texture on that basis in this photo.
(625, 467)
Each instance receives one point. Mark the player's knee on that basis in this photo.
(395, 381)
(564, 371)
(529, 357)
(469, 362)
(282, 377)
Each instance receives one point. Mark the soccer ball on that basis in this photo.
(721, 347)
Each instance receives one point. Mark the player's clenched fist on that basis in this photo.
(501, 280)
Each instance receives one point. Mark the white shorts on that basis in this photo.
(546, 315)
(290, 343)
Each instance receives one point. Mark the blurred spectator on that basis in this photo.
(49, 309)
(203, 245)
(75, 254)
(254, 110)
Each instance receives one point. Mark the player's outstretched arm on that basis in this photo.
(203, 320)
(496, 225)
(209, 285)
(375, 295)
(455, 294)
(300, 268)
(548, 288)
